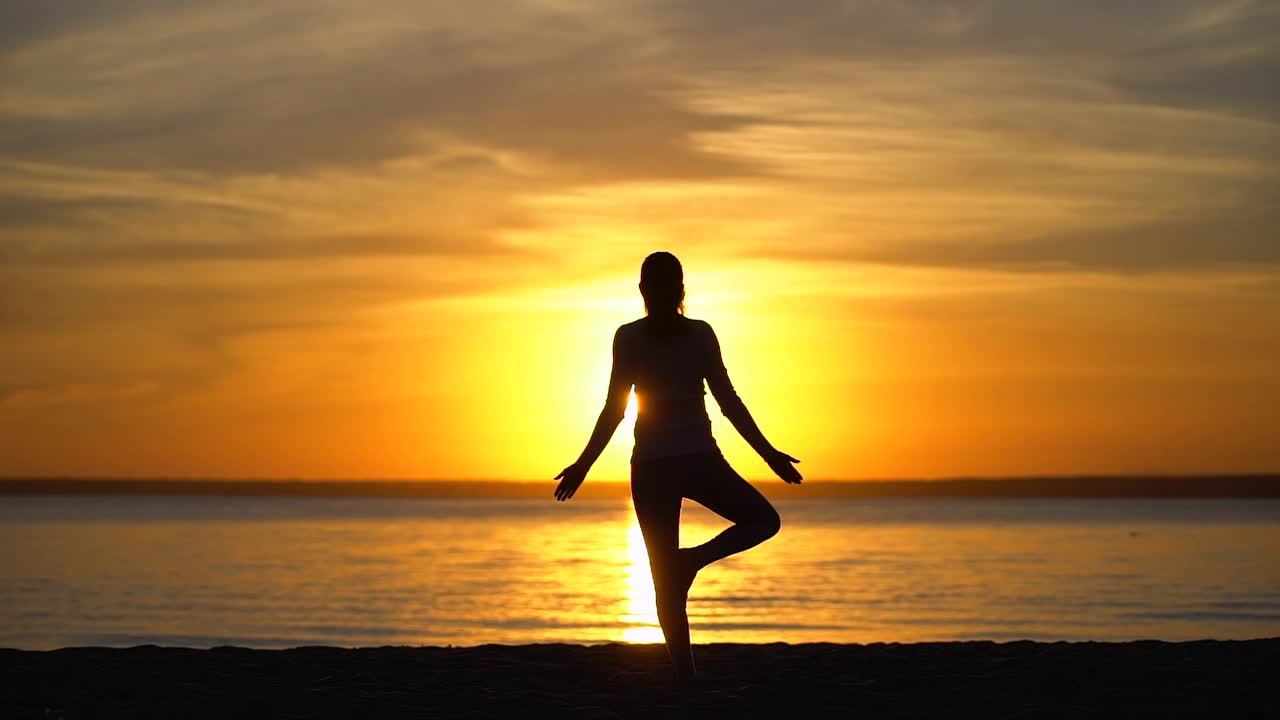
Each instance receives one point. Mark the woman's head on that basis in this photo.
(662, 284)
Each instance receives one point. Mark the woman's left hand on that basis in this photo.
(570, 480)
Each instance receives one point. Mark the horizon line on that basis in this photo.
(1260, 485)
(4, 478)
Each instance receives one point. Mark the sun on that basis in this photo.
(629, 417)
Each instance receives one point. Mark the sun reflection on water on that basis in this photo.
(640, 619)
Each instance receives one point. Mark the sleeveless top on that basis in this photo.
(668, 374)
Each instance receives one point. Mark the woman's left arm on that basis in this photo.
(615, 406)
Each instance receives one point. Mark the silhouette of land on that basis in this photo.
(962, 679)
(1094, 486)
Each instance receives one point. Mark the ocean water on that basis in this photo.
(279, 572)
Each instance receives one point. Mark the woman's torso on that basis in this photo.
(668, 371)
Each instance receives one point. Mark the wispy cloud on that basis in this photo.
(175, 178)
(1011, 121)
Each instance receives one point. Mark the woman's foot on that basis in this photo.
(687, 680)
(686, 569)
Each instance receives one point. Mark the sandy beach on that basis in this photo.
(920, 680)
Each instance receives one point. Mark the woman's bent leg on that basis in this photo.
(723, 491)
(657, 502)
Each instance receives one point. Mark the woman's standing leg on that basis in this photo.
(657, 499)
(719, 488)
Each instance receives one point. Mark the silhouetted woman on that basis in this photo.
(666, 356)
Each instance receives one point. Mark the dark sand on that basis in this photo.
(1204, 679)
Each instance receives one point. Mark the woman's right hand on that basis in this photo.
(570, 480)
(784, 465)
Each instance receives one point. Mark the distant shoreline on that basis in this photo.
(1092, 486)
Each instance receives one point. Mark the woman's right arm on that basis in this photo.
(735, 410)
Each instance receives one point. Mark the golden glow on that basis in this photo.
(629, 418)
(640, 620)
(967, 264)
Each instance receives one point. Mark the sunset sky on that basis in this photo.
(394, 238)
